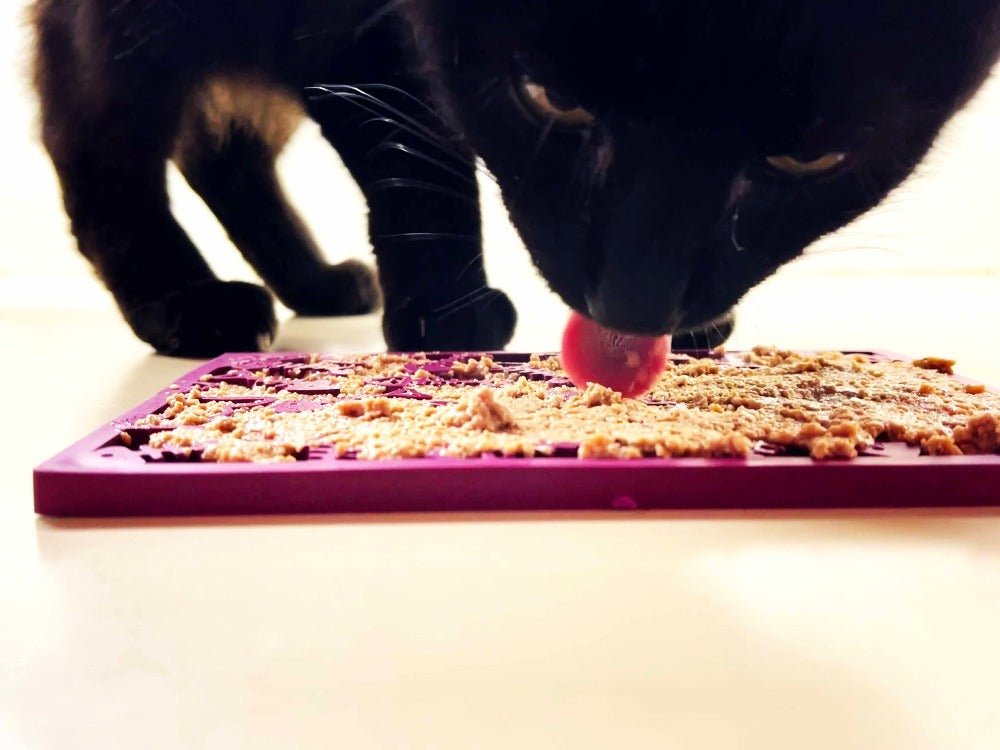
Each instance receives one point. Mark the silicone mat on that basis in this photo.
(101, 475)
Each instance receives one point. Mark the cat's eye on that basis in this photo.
(824, 164)
(550, 107)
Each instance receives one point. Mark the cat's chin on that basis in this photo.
(700, 337)
(706, 337)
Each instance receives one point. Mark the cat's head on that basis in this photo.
(659, 159)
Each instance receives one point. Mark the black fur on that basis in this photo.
(665, 212)
(656, 218)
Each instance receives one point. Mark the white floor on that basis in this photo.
(779, 631)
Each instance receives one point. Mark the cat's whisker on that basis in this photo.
(909, 263)
(403, 148)
(856, 231)
(428, 237)
(353, 93)
(489, 84)
(380, 14)
(488, 92)
(382, 120)
(394, 133)
(841, 249)
(402, 92)
(143, 40)
(472, 261)
(461, 299)
(315, 34)
(389, 137)
(746, 320)
(711, 332)
(707, 338)
(411, 184)
(443, 144)
(478, 169)
(422, 134)
(472, 298)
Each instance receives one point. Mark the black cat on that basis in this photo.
(658, 158)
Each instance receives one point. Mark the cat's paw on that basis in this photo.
(486, 323)
(208, 319)
(705, 338)
(348, 288)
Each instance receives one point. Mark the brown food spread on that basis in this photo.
(828, 406)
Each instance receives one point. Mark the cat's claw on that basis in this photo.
(485, 324)
(348, 288)
(208, 319)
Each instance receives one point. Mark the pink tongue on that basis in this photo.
(629, 364)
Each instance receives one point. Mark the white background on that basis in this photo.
(826, 631)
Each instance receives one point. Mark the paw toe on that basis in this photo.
(208, 319)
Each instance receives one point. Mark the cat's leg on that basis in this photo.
(110, 151)
(424, 219)
(234, 173)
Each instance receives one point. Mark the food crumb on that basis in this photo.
(597, 395)
(473, 369)
(940, 445)
(944, 366)
(478, 411)
(981, 434)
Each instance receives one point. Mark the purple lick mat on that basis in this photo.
(101, 475)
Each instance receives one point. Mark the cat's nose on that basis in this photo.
(624, 312)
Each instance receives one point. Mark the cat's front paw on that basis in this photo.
(709, 337)
(482, 322)
(208, 319)
(348, 288)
